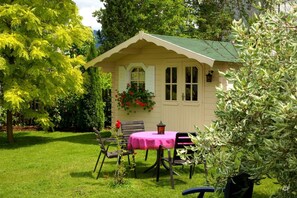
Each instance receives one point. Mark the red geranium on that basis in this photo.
(135, 96)
(118, 124)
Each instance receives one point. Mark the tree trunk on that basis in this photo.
(9, 127)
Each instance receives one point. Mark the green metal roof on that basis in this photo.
(204, 51)
(217, 50)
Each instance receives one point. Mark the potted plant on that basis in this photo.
(135, 97)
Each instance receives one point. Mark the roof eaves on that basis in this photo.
(114, 50)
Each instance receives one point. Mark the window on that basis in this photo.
(191, 84)
(137, 74)
(138, 77)
(171, 83)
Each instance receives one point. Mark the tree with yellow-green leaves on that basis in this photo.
(35, 65)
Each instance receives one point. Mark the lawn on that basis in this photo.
(60, 164)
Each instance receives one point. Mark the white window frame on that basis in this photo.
(125, 76)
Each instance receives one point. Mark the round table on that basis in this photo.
(152, 140)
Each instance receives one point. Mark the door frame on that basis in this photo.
(179, 110)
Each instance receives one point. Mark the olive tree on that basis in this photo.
(256, 127)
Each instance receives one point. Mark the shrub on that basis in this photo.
(255, 131)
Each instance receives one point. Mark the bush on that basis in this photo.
(255, 131)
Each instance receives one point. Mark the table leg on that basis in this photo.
(152, 166)
(158, 162)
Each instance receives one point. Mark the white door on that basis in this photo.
(182, 97)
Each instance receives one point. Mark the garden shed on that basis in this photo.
(182, 73)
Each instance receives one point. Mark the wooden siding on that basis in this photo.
(153, 55)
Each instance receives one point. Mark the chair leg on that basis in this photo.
(119, 159)
(134, 166)
(97, 161)
(206, 171)
(146, 154)
(158, 164)
(171, 175)
(192, 167)
(201, 195)
(192, 170)
(101, 166)
(129, 160)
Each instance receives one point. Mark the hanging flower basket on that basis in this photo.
(135, 97)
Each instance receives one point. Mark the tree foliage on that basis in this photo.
(202, 19)
(82, 112)
(34, 37)
(255, 131)
(213, 18)
(91, 106)
(123, 19)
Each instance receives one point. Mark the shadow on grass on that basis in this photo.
(82, 138)
(85, 174)
(259, 195)
(25, 139)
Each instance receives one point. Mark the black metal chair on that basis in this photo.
(182, 139)
(104, 146)
(129, 127)
(239, 186)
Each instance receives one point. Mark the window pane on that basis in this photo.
(141, 76)
(167, 75)
(174, 74)
(170, 83)
(195, 75)
(134, 76)
(188, 92)
(167, 92)
(194, 93)
(174, 92)
(188, 75)
(138, 77)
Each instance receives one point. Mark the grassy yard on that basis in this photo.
(58, 164)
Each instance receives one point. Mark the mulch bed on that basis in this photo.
(21, 128)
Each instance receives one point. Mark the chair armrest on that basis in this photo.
(200, 190)
(109, 140)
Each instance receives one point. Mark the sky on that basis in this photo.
(86, 8)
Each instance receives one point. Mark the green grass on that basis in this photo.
(58, 164)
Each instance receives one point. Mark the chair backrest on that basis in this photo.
(239, 186)
(100, 140)
(129, 127)
(182, 139)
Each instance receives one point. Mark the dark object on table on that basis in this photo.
(161, 128)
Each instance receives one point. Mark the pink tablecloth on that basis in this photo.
(152, 140)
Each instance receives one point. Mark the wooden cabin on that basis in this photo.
(182, 73)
